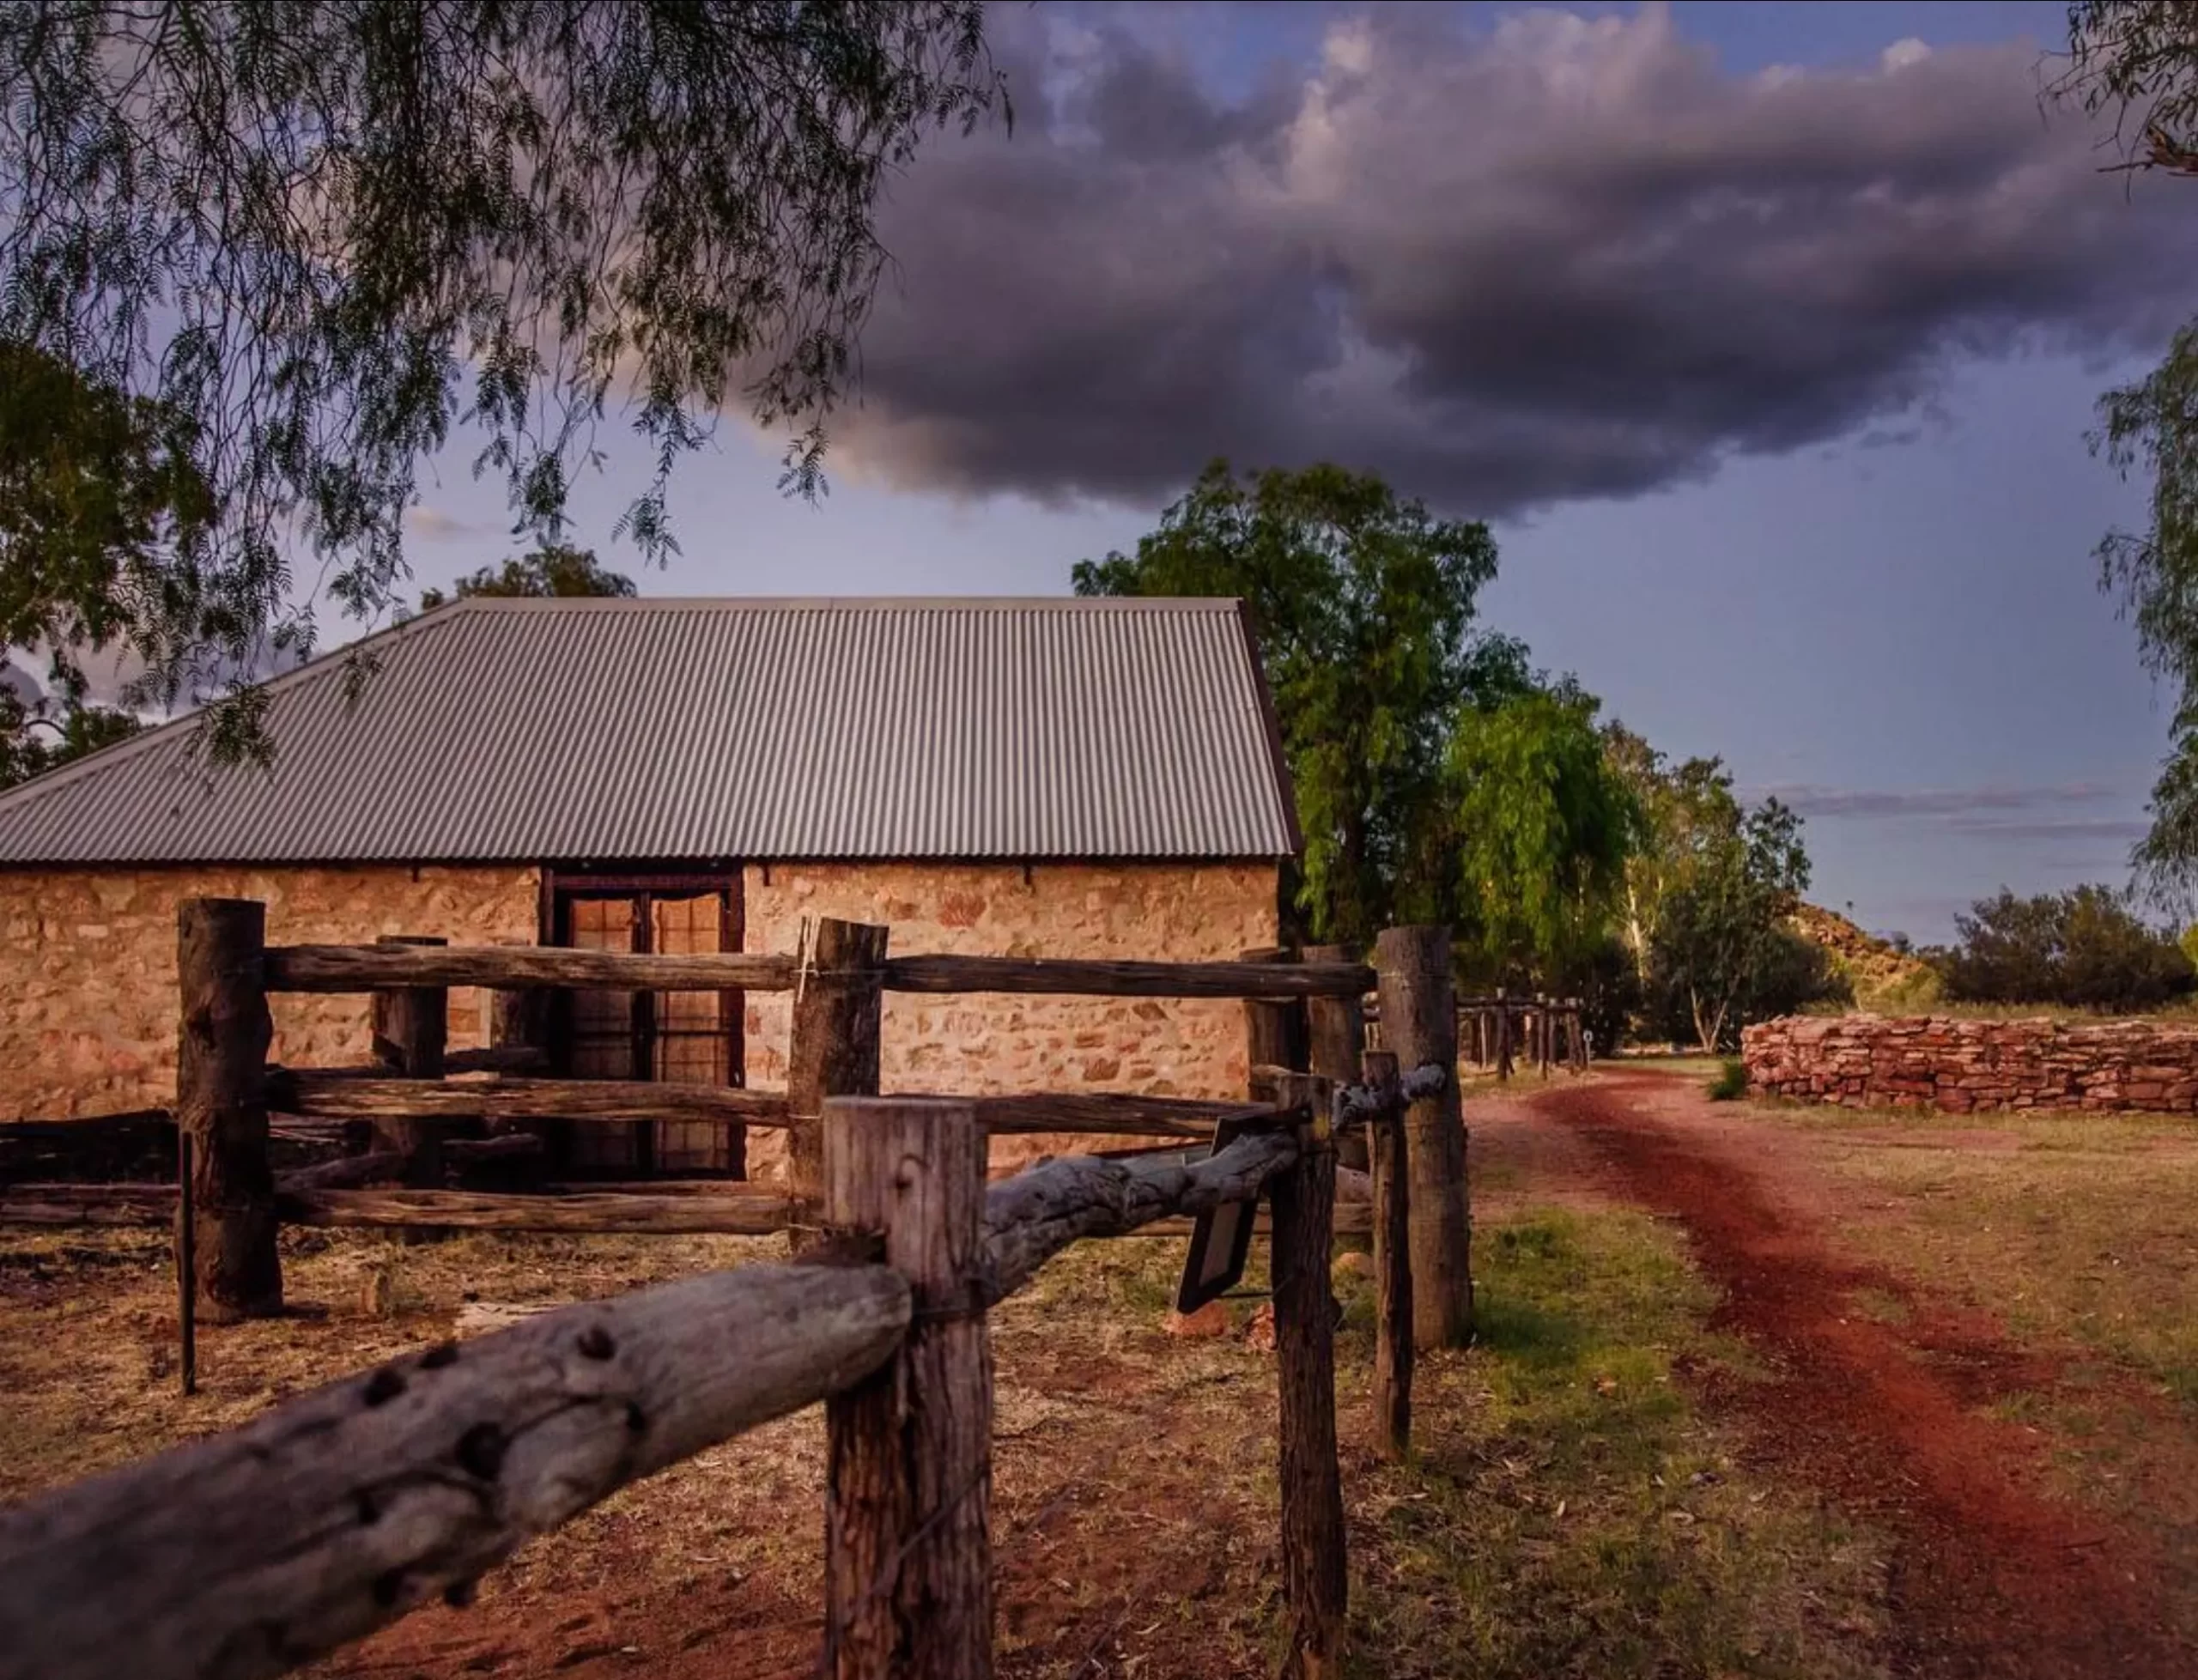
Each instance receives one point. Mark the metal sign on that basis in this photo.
(1221, 1241)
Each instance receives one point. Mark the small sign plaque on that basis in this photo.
(1221, 1241)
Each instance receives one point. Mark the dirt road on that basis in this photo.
(1992, 1577)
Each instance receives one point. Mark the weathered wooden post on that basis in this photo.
(1503, 1037)
(1315, 1577)
(1335, 1038)
(221, 1105)
(1421, 1023)
(1276, 1032)
(411, 1032)
(908, 1566)
(1392, 1329)
(839, 1008)
(186, 1270)
(519, 1021)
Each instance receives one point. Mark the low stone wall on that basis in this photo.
(1961, 1067)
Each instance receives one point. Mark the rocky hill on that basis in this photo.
(1881, 976)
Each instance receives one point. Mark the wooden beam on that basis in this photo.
(1336, 1035)
(255, 1551)
(220, 1081)
(411, 1029)
(1125, 979)
(1129, 1116)
(734, 1211)
(907, 1501)
(65, 1205)
(340, 1093)
(367, 968)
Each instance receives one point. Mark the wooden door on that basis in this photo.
(691, 1037)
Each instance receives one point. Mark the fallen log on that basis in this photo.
(1032, 1216)
(253, 1552)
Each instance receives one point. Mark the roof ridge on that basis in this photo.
(490, 604)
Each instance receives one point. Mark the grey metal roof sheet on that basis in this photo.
(734, 729)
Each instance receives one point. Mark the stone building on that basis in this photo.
(1055, 778)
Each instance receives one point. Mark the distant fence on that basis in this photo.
(253, 1552)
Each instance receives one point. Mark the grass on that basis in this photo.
(1569, 1510)
(1572, 1512)
(1731, 1082)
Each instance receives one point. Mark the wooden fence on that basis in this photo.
(253, 1552)
(1542, 1031)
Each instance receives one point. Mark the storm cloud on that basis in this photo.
(1558, 257)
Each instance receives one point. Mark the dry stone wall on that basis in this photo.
(1961, 1067)
(88, 993)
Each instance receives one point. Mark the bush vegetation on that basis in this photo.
(2085, 948)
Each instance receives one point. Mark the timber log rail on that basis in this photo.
(251, 1552)
(1542, 1031)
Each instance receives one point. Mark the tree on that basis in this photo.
(1364, 605)
(80, 729)
(555, 570)
(2139, 58)
(1541, 827)
(1722, 954)
(323, 234)
(1679, 809)
(2085, 948)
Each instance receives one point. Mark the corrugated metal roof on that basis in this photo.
(737, 728)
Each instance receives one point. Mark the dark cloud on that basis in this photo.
(1559, 258)
(1962, 804)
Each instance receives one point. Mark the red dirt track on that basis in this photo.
(1991, 1577)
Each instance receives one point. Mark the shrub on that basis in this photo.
(1731, 1082)
(2085, 948)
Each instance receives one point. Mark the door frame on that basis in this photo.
(561, 885)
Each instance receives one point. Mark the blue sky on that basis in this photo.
(1880, 604)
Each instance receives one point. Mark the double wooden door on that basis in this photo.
(689, 1037)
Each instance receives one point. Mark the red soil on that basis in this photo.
(1992, 1578)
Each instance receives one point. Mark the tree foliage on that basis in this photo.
(2085, 948)
(556, 570)
(1680, 808)
(2138, 59)
(32, 740)
(1364, 607)
(321, 235)
(1542, 826)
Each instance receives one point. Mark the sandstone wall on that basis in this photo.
(1963, 1067)
(88, 994)
(989, 1045)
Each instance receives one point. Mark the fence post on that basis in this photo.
(1335, 1035)
(839, 1006)
(411, 1030)
(1315, 1577)
(221, 1105)
(1392, 1346)
(908, 1568)
(1276, 1034)
(1420, 1023)
(519, 1019)
(1502, 1036)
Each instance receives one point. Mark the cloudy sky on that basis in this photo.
(1765, 335)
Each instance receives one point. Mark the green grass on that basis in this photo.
(1572, 1513)
(1732, 1082)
